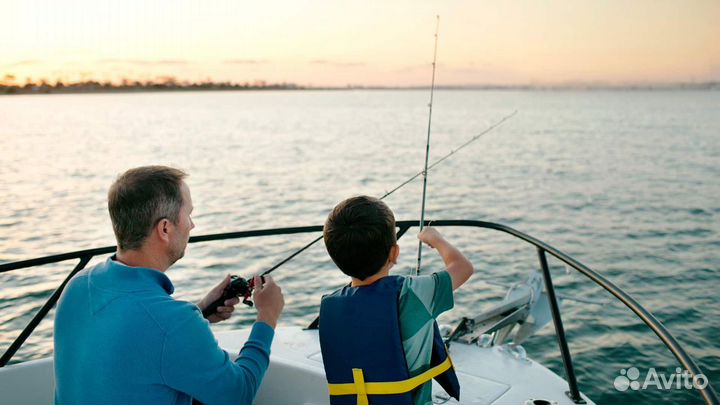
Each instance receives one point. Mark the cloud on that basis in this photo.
(24, 63)
(245, 61)
(468, 67)
(337, 64)
(415, 68)
(142, 62)
(464, 74)
(480, 74)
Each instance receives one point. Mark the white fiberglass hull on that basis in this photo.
(296, 375)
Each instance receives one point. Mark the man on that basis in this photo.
(119, 335)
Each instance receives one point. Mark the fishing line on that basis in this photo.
(401, 185)
(427, 147)
(240, 287)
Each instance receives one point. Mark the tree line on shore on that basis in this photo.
(9, 86)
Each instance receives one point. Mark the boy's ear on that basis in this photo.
(394, 253)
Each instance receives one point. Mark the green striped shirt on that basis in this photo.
(422, 299)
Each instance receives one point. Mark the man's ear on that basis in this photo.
(163, 229)
(394, 253)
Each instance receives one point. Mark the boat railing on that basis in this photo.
(542, 248)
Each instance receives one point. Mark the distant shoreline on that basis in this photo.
(104, 88)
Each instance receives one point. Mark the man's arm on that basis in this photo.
(457, 265)
(193, 363)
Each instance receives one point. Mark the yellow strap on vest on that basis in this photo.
(359, 386)
(362, 389)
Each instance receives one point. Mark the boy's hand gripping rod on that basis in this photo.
(240, 287)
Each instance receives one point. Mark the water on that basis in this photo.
(627, 182)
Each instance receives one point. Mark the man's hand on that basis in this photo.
(223, 312)
(269, 300)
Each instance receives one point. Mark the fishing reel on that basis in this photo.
(238, 287)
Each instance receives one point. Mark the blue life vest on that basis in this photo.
(362, 348)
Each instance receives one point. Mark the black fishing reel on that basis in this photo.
(238, 287)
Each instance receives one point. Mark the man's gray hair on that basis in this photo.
(140, 198)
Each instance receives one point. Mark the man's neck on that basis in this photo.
(140, 258)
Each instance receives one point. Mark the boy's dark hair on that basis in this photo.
(139, 198)
(358, 234)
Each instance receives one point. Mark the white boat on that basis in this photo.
(486, 348)
(296, 376)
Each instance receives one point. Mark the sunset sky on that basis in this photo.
(354, 42)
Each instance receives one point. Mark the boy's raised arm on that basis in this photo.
(458, 266)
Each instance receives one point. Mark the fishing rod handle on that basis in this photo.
(238, 287)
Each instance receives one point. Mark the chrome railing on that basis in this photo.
(707, 392)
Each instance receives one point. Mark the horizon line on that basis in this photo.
(93, 86)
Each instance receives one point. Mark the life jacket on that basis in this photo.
(362, 348)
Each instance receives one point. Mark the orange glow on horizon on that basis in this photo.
(327, 43)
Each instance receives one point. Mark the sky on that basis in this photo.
(363, 42)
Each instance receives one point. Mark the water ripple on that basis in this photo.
(626, 182)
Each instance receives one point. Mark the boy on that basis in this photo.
(380, 331)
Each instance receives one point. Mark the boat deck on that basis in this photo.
(296, 376)
(487, 375)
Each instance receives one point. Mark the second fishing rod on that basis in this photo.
(241, 287)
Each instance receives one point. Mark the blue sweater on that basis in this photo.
(120, 338)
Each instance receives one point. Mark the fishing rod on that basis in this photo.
(401, 185)
(427, 147)
(240, 287)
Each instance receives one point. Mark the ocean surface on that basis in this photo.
(627, 182)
